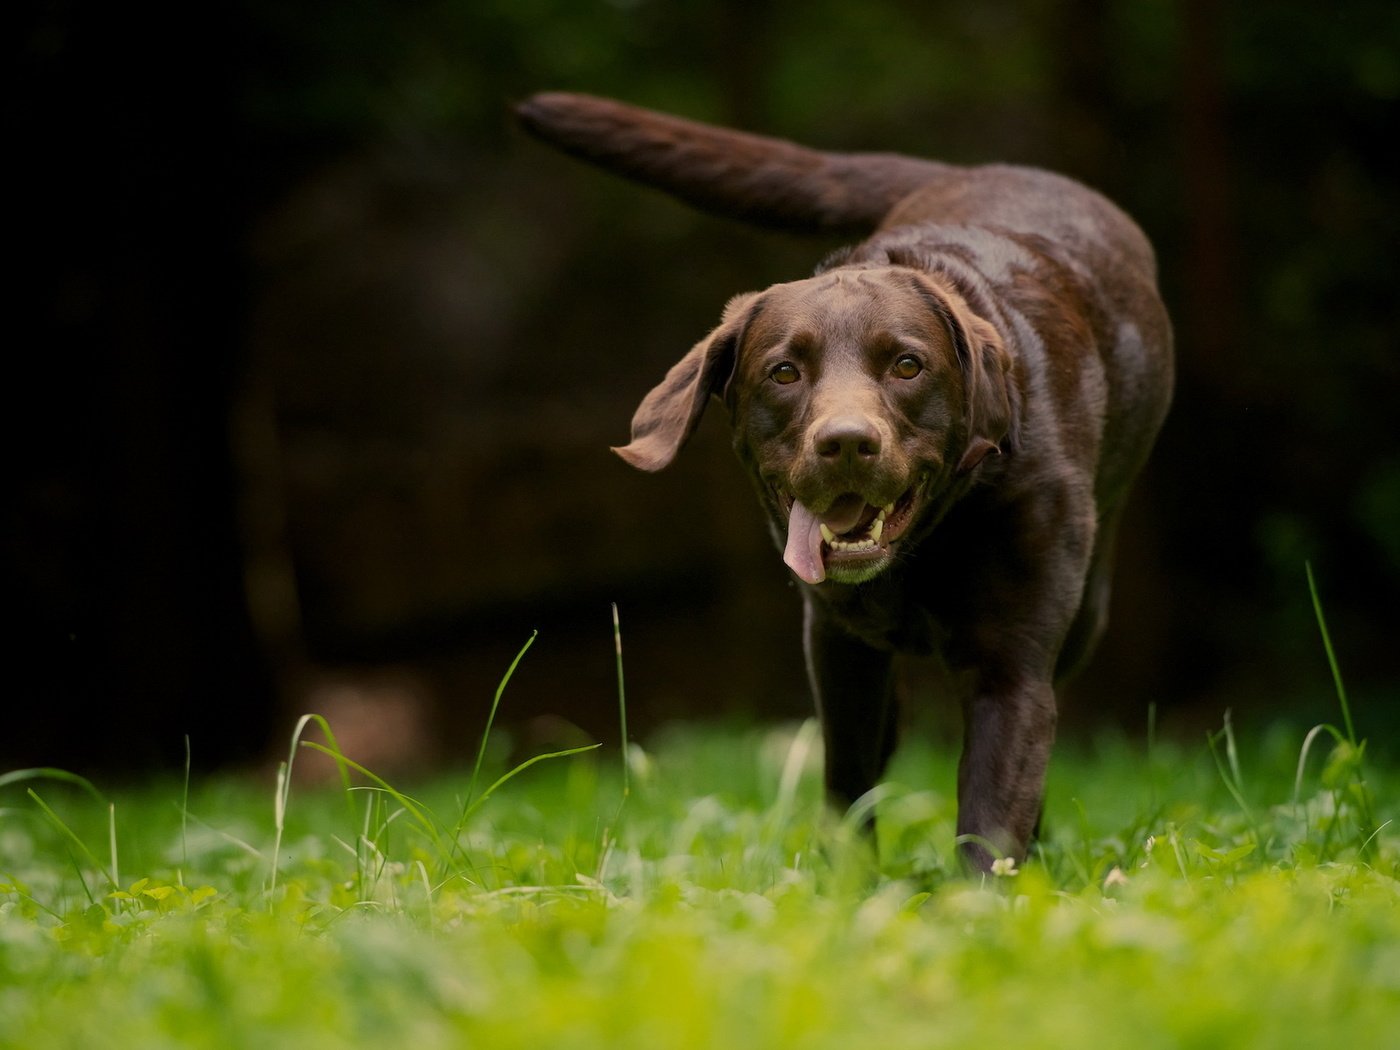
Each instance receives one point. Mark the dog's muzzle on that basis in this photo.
(851, 540)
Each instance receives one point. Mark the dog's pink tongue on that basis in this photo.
(803, 553)
(804, 545)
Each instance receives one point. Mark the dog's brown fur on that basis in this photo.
(990, 366)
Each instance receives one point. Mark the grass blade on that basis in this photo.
(1362, 792)
(1331, 655)
(284, 784)
(1230, 769)
(415, 809)
(490, 720)
(466, 814)
(185, 816)
(72, 837)
(799, 752)
(1313, 734)
(621, 702)
(48, 773)
(112, 842)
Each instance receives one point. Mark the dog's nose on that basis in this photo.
(850, 438)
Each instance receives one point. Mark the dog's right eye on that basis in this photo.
(907, 367)
(785, 373)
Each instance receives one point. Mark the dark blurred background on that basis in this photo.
(318, 357)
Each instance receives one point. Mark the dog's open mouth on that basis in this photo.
(850, 541)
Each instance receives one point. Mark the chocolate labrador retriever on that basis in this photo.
(942, 424)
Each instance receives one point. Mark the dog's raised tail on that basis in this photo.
(760, 180)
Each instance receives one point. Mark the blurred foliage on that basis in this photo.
(420, 276)
(1282, 444)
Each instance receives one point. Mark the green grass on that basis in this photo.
(1241, 893)
(1183, 897)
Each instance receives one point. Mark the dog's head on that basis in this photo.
(858, 399)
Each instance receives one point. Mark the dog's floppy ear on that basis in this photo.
(669, 414)
(986, 367)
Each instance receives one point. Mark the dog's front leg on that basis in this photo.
(1009, 727)
(853, 689)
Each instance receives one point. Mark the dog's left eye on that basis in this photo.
(785, 373)
(907, 367)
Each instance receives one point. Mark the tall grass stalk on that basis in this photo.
(1230, 771)
(185, 817)
(20, 776)
(490, 720)
(1344, 772)
(284, 787)
(446, 843)
(798, 754)
(621, 703)
(1331, 655)
(68, 833)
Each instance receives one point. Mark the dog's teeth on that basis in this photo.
(855, 546)
(828, 535)
(889, 509)
(878, 527)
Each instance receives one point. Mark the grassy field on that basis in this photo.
(1241, 892)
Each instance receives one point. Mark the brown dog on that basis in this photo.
(942, 424)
